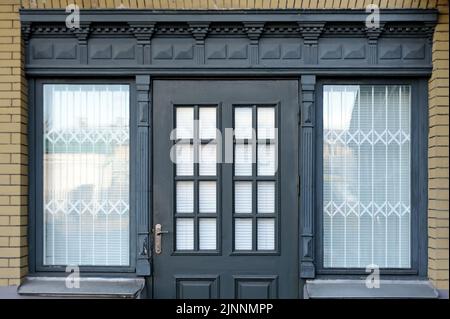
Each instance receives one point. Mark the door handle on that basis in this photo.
(157, 233)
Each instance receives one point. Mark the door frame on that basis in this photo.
(278, 182)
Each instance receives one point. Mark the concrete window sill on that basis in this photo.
(343, 289)
(90, 287)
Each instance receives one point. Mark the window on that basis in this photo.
(86, 148)
(196, 204)
(366, 200)
(255, 178)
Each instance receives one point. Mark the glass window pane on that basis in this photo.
(266, 123)
(208, 159)
(86, 175)
(185, 122)
(207, 235)
(266, 159)
(243, 160)
(266, 197)
(243, 197)
(184, 159)
(243, 122)
(207, 197)
(185, 197)
(266, 234)
(366, 167)
(207, 125)
(243, 234)
(185, 234)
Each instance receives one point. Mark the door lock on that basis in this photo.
(157, 233)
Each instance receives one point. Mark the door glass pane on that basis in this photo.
(243, 234)
(185, 197)
(243, 197)
(185, 122)
(266, 197)
(185, 234)
(366, 167)
(266, 234)
(208, 162)
(198, 194)
(207, 125)
(266, 123)
(185, 159)
(243, 160)
(266, 159)
(243, 122)
(86, 175)
(207, 197)
(207, 233)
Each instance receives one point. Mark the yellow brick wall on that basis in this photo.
(438, 212)
(13, 148)
(232, 4)
(13, 117)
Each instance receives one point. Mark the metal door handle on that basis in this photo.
(157, 233)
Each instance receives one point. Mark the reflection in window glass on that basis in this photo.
(366, 181)
(86, 175)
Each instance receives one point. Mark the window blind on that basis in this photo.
(86, 175)
(366, 176)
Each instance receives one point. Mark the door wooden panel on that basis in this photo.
(256, 252)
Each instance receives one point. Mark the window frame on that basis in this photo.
(196, 178)
(35, 133)
(418, 178)
(254, 178)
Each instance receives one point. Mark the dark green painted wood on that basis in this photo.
(226, 274)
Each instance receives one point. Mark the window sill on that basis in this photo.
(89, 287)
(390, 289)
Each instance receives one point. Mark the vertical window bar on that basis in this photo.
(386, 178)
(197, 144)
(359, 176)
(330, 114)
(254, 176)
(372, 204)
(345, 181)
(400, 177)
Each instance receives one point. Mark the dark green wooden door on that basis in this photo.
(228, 230)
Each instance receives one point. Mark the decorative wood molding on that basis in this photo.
(143, 43)
(311, 34)
(232, 41)
(372, 35)
(144, 168)
(82, 34)
(25, 30)
(307, 151)
(143, 33)
(254, 31)
(199, 31)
